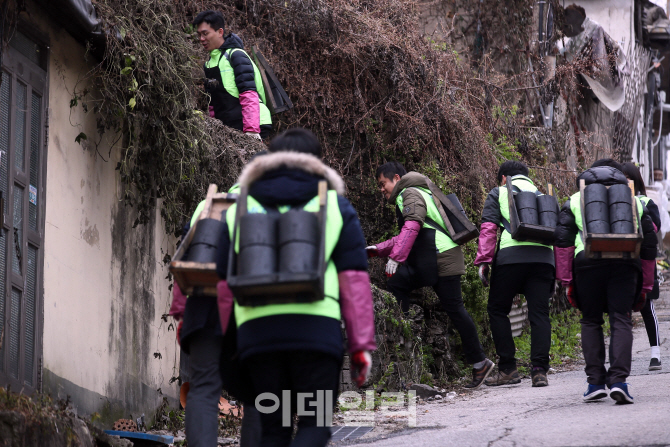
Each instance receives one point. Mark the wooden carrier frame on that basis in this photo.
(525, 232)
(611, 245)
(191, 275)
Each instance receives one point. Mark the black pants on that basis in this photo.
(209, 353)
(650, 322)
(607, 287)
(202, 402)
(535, 281)
(297, 372)
(448, 290)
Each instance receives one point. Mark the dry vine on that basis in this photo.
(361, 76)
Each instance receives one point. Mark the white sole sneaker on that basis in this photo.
(620, 396)
(655, 364)
(596, 395)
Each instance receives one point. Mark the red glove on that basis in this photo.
(361, 361)
(181, 323)
(372, 251)
(571, 296)
(639, 304)
(484, 270)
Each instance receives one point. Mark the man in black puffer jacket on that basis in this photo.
(293, 350)
(614, 286)
(233, 80)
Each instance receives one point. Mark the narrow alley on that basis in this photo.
(519, 415)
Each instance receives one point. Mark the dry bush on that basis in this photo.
(361, 77)
(360, 74)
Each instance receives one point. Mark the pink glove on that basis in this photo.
(178, 303)
(211, 111)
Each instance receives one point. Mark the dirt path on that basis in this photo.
(519, 415)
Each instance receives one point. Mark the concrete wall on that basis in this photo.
(615, 16)
(104, 281)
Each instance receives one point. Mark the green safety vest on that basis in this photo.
(217, 58)
(197, 212)
(442, 241)
(576, 208)
(327, 307)
(235, 189)
(524, 184)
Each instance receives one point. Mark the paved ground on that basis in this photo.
(519, 415)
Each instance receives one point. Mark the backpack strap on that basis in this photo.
(436, 226)
(227, 54)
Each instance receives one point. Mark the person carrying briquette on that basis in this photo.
(234, 83)
(211, 345)
(598, 286)
(515, 267)
(423, 255)
(209, 342)
(648, 311)
(297, 347)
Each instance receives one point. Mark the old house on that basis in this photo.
(83, 291)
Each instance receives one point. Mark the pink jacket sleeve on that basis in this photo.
(225, 301)
(648, 275)
(486, 249)
(564, 258)
(398, 247)
(251, 111)
(357, 310)
(405, 240)
(384, 248)
(178, 302)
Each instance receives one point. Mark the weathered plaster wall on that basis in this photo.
(615, 16)
(104, 281)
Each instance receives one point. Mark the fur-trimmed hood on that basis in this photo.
(291, 160)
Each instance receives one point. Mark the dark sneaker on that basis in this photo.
(619, 392)
(503, 378)
(594, 393)
(539, 377)
(479, 375)
(654, 364)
